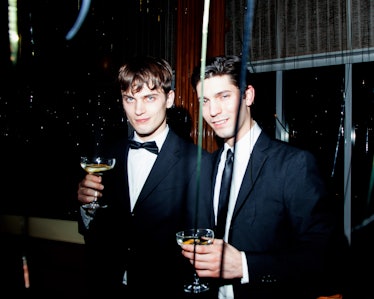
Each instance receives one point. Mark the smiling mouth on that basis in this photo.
(219, 122)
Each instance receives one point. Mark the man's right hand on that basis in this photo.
(89, 189)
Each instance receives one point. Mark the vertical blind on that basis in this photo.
(300, 33)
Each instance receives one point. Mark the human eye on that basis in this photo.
(203, 100)
(150, 98)
(225, 96)
(128, 99)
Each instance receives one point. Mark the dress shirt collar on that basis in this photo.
(159, 139)
(246, 142)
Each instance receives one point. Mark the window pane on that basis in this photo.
(263, 109)
(313, 103)
(362, 151)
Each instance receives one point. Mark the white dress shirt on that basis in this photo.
(242, 152)
(139, 165)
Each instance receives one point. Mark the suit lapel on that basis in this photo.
(166, 159)
(216, 158)
(119, 173)
(255, 164)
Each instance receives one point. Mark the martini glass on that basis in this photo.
(196, 236)
(97, 166)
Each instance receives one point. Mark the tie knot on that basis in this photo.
(229, 155)
(149, 145)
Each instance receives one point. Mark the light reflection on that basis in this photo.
(13, 30)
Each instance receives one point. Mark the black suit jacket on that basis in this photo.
(142, 242)
(284, 222)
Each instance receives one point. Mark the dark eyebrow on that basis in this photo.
(222, 92)
(151, 95)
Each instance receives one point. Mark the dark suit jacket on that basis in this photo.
(284, 223)
(143, 242)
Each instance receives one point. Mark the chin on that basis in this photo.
(224, 132)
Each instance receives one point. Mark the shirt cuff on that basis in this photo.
(87, 216)
(245, 278)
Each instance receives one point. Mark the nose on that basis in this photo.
(139, 107)
(214, 107)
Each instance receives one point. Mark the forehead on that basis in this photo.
(214, 85)
(143, 90)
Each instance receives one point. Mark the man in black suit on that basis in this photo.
(150, 195)
(281, 235)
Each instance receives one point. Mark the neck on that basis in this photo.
(244, 129)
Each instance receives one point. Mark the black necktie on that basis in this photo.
(150, 146)
(224, 195)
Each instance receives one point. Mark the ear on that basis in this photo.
(170, 99)
(249, 96)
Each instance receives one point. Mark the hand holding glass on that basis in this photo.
(196, 236)
(96, 165)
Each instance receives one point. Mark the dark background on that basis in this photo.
(60, 99)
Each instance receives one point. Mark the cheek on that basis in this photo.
(232, 106)
(126, 108)
(242, 113)
(205, 112)
(230, 109)
(157, 111)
